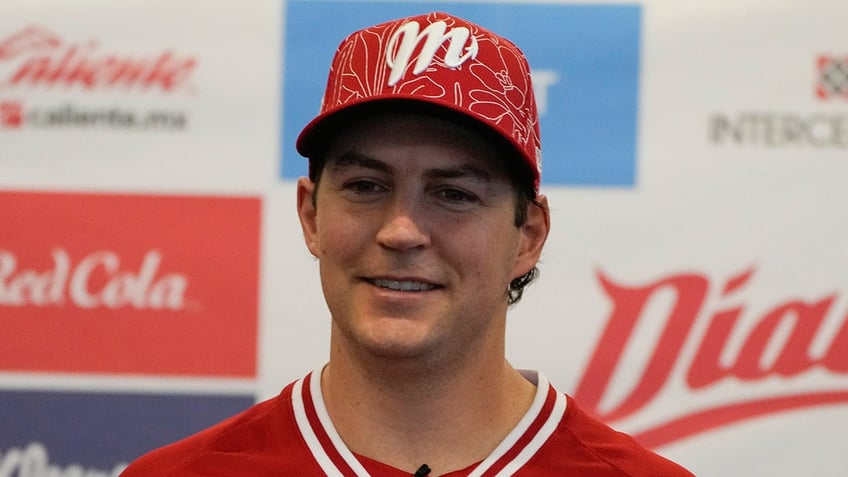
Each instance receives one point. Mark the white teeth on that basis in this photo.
(403, 286)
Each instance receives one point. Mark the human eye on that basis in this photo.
(362, 188)
(456, 197)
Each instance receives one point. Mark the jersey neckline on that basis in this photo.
(516, 449)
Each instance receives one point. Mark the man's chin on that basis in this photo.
(392, 338)
(406, 347)
(398, 349)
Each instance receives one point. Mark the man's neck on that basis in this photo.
(404, 414)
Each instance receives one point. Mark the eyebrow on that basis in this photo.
(350, 159)
(463, 171)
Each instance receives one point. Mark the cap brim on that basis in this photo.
(315, 134)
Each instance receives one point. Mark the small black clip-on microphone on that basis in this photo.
(422, 471)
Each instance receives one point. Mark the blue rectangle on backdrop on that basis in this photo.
(585, 61)
(99, 432)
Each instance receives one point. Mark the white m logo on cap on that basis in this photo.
(436, 34)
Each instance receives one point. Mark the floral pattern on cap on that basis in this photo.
(443, 60)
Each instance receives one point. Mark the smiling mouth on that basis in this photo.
(402, 285)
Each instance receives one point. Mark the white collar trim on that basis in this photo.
(542, 388)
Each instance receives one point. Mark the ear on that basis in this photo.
(534, 233)
(307, 213)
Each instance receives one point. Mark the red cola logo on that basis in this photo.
(36, 56)
(96, 281)
(789, 353)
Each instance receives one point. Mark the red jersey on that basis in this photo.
(292, 435)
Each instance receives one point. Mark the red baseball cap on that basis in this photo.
(439, 60)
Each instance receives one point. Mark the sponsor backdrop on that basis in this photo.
(694, 292)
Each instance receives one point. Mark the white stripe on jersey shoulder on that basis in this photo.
(329, 428)
(542, 388)
(541, 436)
(308, 432)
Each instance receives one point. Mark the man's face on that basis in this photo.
(414, 231)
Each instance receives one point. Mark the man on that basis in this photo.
(422, 208)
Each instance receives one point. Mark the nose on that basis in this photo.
(402, 229)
